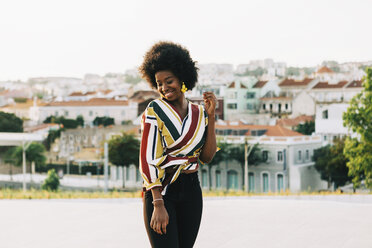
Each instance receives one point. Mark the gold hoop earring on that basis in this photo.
(184, 88)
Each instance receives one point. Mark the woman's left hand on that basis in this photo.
(210, 102)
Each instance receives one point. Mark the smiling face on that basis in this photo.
(168, 85)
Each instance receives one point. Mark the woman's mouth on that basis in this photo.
(168, 94)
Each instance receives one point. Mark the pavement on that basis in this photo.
(227, 222)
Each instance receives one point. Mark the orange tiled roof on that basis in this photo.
(283, 98)
(355, 84)
(76, 94)
(270, 130)
(260, 84)
(295, 121)
(326, 85)
(295, 83)
(232, 85)
(91, 102)
(325, 69)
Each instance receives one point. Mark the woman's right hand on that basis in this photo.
(159, 218)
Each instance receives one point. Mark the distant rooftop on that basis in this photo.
(295, 83)
(254, 130)
(91, 102)
(325, 69)
(326, 85)
(260, 84)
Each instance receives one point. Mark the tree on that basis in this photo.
(52, 136)
(124, 150)
(229, 151)
(237, 152)
(67, 123)
(358, 118)
(10, 123)
(35, 152)
(80, 120)
(105, 121)
(330, 162)
(51, 183)
(306, 128)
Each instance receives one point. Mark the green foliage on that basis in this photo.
(51, 183)
(124, 149)
(358, 118)
(67, 123)
(105, 121)
(80, 120)
(35, 152)
(330, 162)
(10, 123)
(231, 151)
(307, 128)
(20, 99)
(52, 136)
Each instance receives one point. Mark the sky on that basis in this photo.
(70, 38)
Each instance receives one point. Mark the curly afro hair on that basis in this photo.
(169, 56)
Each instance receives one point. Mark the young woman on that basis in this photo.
(177, 135)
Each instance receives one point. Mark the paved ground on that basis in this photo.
(231, 222)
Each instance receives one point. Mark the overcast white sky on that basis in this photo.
(74, 37)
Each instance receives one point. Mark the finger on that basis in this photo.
(164, 228)
(159, 228)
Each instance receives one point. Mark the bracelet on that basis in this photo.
(159, 199)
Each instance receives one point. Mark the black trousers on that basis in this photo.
(183, 202)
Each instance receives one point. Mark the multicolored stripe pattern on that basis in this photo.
(169, 141)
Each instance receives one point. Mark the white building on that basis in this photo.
(97, 107)
(332, 100)
(287, 160)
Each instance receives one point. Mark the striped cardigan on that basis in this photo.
(169, 141)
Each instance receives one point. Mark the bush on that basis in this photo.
(51, 183)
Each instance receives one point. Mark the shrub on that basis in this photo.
(51, 183)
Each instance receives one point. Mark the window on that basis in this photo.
(265, 182)
(307, 155)
(280, 183)
(232, 180)
(299, 155)
(66, 113)
(90, 113)
(127, 174)
(280, 156)
(286, 106)
(138, 175)
(204, 179)
(123, 113)
(265, 155)
(251, 95)
(232, 105)
(325, 114)
(218, 179)
(271, 107)
(250, 106)
(251, 181)
(264, 106)
(56, 113)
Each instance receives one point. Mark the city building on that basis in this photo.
(121, 110)
(286, 160)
